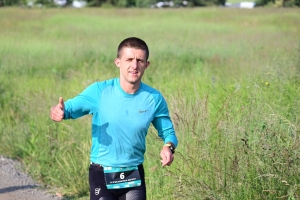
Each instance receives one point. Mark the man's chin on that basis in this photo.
(134, 80)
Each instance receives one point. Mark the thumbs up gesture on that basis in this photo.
(57, 111)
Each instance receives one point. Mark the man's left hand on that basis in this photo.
(167, 156)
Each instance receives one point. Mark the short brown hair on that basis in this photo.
(133, 42)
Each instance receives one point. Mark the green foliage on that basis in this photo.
(263, 2)
(45, 3)
(122, 4)
(232, 89)
(94, 3)
(144, 3)
(11, 2)
(116, 3)
(198, 2)
(278, 3)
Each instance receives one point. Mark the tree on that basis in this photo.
(283, 3)
(130, 3)
(95, 3)
(10, 2)
(122, 4)
(144, 3)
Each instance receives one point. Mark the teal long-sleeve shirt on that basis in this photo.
(120, 121)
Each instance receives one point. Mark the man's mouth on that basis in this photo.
(133, 72)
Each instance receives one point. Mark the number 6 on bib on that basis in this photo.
(122, 177)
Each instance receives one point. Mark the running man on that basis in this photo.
(123, 109)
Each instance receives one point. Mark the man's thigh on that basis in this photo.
(98, 190)
(134, 194)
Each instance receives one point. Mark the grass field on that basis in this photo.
(230, 77)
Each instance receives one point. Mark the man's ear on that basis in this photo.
(148, 63)
(117, 62)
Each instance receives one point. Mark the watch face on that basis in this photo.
(171, 147)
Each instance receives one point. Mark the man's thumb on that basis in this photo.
(61, 103)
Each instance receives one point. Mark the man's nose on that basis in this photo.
(134, 63)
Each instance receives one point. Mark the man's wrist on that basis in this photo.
(171, 146)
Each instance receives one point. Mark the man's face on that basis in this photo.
(132, 63)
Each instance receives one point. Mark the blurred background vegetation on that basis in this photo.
(231, 78)
(148, 3)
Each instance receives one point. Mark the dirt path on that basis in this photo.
(17, 185)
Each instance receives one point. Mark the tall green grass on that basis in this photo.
(231, 79)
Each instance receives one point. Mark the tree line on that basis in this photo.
(147, 3)
(122, 3)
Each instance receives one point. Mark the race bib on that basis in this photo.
(122, 177)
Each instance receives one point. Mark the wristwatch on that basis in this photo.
(171, 147)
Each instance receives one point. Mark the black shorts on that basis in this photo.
(98, 190)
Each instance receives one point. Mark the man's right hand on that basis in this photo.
(57, 112)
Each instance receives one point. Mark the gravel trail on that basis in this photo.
(15, 184)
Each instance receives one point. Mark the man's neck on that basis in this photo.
(130, 88)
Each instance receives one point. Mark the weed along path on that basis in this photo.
(15, 184)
